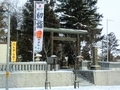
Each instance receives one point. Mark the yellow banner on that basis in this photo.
(13, 51)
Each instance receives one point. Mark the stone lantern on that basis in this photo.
(37, 57)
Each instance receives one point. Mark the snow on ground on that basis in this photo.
(71, 88)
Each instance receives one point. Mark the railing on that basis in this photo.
(109, 65)
(103, 64)
(24, 66)
(41, 66)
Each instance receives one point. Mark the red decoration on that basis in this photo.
(39, 34)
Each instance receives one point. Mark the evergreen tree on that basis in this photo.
(81, 14)
(26, 43)
(2, 24)
(50, 20)
(13, 27)
(15, 31)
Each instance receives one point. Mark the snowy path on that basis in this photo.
(72, 88)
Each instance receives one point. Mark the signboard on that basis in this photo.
(13, 51)
(38, 26)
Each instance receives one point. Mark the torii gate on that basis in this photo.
(67, 31)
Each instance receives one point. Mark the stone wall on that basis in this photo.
(37, 79)
(60, 78)
(102, 77)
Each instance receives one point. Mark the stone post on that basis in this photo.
(54, 61)
(95, 65)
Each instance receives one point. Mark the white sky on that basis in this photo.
(111, 11)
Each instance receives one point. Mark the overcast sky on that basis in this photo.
(111, 11)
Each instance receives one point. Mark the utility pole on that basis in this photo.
(8, 49)
(107, 39)
(102, 52)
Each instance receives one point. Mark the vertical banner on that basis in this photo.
(38, 26)
(13, 51)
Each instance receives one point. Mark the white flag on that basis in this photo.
(38, 26)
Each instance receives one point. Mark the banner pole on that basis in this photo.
(38, 27)
(33, 32)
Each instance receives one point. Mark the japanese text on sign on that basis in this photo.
(13, 51)
(38, 25)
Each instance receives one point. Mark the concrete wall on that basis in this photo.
(102, 77)
(107, 77)
(37, 79)
(60, 78)
(3, 49)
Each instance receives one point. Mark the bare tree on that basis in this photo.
(112, 42)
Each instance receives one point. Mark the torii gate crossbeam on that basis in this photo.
(67, 31)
